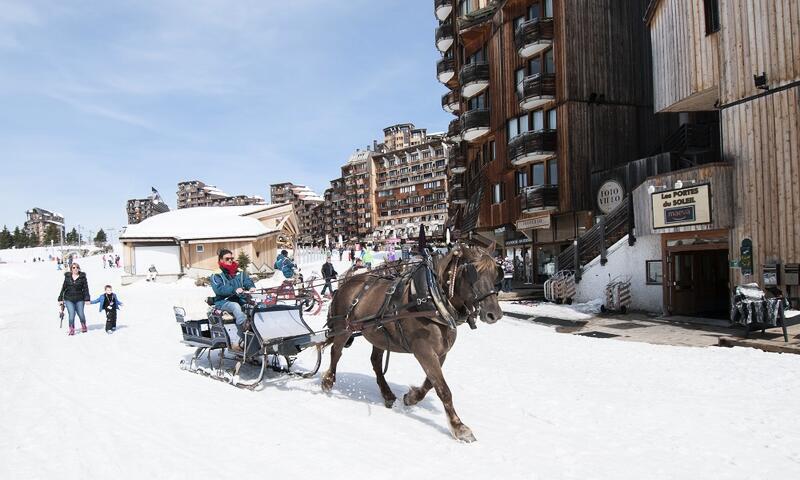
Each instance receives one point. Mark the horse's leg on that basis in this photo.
(336, 353)
(416, 394)
(433, 370)
(388, 395)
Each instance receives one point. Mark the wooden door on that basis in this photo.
(683, 276)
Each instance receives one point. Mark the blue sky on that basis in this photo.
(100, 100)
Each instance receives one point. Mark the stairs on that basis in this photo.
(598, 239)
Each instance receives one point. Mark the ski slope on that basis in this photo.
(542, 404)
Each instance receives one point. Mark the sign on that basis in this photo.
(746, 257)
(682, 207)
(610, 196)
(534, 223)
(517, 242)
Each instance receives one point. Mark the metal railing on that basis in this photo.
(539, 196)
(541, 84)
(532, 142)
(474, 72)
(447, 64)
(478, 118)
(533, 31)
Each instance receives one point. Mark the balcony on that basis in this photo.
(477, 17)
(474, 78)
(444, 37)
(443, 9)
(451, 102)
(540, 197)
(446, 69)
(458, 195)
(454, 130)
(532, 147)
(537, 90)
(475, 124)
(534, 36)
(457, 160)
(457, 180)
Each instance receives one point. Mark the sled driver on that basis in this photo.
(228, 285)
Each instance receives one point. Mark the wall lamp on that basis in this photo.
(760, 81)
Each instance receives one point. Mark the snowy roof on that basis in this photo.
(200, 223)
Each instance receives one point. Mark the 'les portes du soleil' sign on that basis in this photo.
(682, 207)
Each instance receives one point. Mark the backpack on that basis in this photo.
(279, 263)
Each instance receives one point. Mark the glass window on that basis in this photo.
(518, 21)
(551, 119)
(549, 62)
(492, 151)
(513, 129)
(535, 66)
(548, 8)
(537, 174)
(519, 76)
(497, 193)
(523, 123)
(533, 11)
(522, 181)
(552, 171)
(538, 120)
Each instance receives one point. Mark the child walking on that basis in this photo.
(110, 304)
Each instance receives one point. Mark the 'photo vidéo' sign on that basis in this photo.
(682, 207)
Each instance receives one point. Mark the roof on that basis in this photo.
(201, 222)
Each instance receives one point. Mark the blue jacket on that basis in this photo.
(225, 286)
(115, 301)
(285, 265)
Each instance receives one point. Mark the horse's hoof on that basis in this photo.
(327, 384)
(464, 434)
(407, 400)
(389, 402)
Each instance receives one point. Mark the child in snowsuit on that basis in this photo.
(109, 303)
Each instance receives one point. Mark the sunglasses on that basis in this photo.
(75, 268)
(227, 259)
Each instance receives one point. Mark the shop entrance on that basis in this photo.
(697, 277)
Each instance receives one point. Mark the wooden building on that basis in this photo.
(735, 63)
(547, 92)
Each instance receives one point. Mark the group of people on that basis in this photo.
(111, 260)
(75, 294)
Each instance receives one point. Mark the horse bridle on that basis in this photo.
(472, 275)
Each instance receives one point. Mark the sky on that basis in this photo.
(102, 99)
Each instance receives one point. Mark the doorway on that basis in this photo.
(698, 283)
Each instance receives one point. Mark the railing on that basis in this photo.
(540, 196)
(445, 30)
(458, 194)
(437, 4)
(541, 84)
(533, 31)
(478, 16)
(458, 180)
(454, 129)
(478, 118)
(451, 98)
(474, 72)
(532, 142)
(609, 230)
(447, 64)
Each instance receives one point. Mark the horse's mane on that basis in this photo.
(478, 256)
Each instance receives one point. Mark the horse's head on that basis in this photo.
(472, 275)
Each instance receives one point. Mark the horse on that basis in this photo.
(468, 275)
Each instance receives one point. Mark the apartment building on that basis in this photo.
(195, 193)
(358, 177)
(139, 209)
(308, 207)
(542, 104)
(40, 219)
(411, 184)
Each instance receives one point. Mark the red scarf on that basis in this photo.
(231, 269)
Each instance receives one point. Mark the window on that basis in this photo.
(548, 8)
(537, 174)
(519, 76)
(512, 128)
(552, 172)
(523, 123)
(653, 270)
(538, 120)
(199, 248)
(518, 21)
(522, 181)
(497, 193)
(477, 102)
(549, 62)
(492, 151)
(535, 65)
(551, 119)
(711, 10)
(407, 189)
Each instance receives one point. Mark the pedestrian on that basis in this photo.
(116, 261)
(508, 274)
(328, 273)
(104, 261)
(341, 252)
(74, 295)
(352, 254)
(109, 303)
(58, 264)
(367, 257)
(151, 273)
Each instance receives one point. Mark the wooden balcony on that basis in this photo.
(446, 69)
(444, 37)
(474, 124)
(443, 9)
(451, 102)
(478, 17)
(537, 90)
(454, 130)
(538, 198)
(532, 147)
(474, 78)
(458, 195)
(457, 160)
(534, 36)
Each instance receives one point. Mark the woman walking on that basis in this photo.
(74, 295)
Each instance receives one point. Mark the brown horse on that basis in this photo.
(472, 294)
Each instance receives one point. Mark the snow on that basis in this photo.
(542, 404)
(200, 223)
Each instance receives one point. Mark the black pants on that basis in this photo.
(327, 286)
(111, 319)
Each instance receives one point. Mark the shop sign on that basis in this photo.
(517, 242)
(682, 207)
(610, 196)
(534, 223)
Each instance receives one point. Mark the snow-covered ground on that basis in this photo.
(542, 404)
